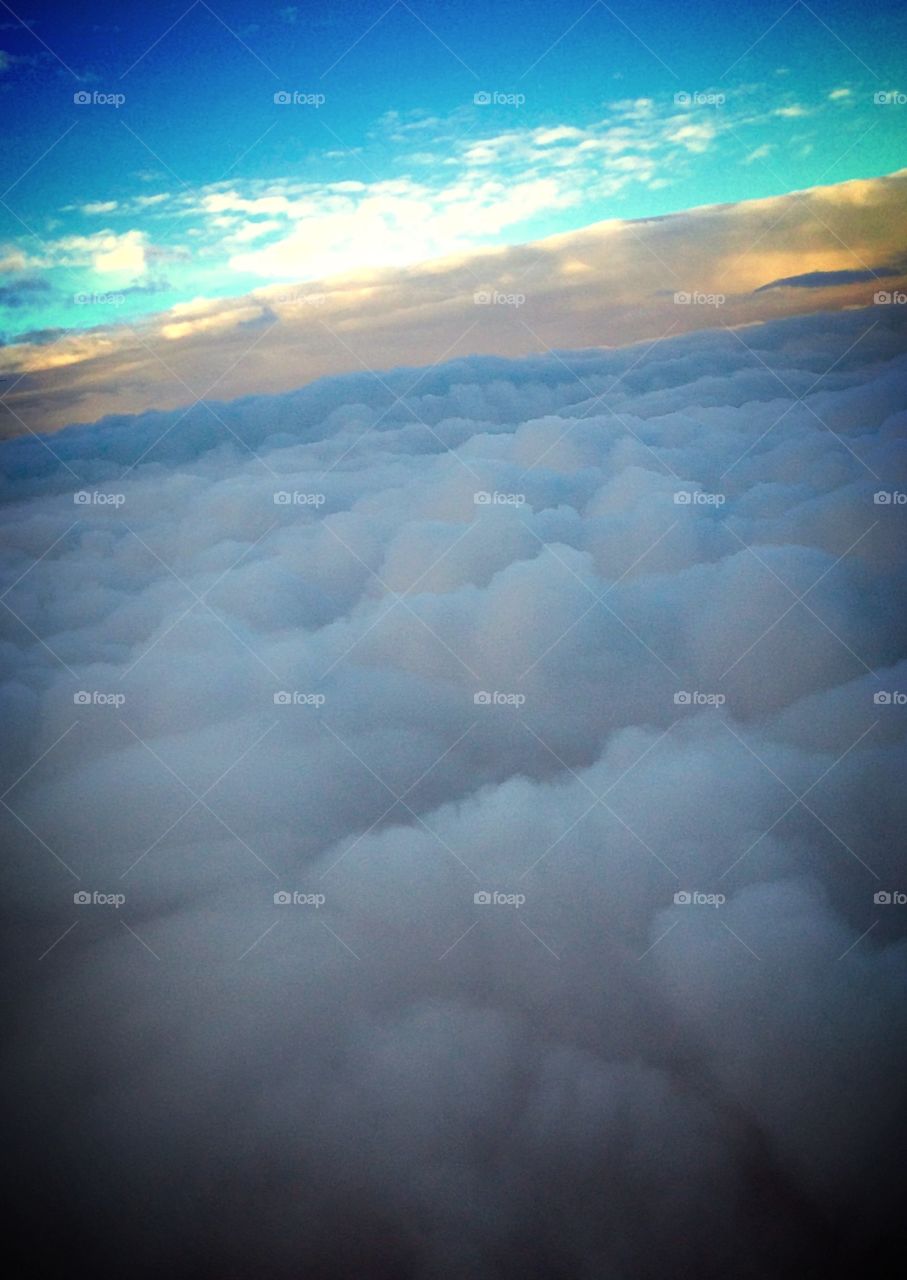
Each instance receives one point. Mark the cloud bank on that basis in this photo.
(485, 782)
(619, 281)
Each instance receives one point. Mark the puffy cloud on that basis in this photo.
(521, 696)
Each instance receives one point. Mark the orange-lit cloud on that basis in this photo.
(609, 284)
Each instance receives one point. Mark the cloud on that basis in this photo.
(759, 153)
(22, 291)
(609, 284)
(470, 190)
(832, 279)
(403, 1079)
(13, 260)
(100, 206)
(432, 185)
(106, 252)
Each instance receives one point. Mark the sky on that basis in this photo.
(185, 175)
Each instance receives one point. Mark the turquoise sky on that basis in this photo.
(412, 131)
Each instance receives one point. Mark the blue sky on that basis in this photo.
(181, 177)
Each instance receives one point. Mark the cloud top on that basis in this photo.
(447, 814)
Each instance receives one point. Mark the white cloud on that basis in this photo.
(100, 206)
(403, 1053)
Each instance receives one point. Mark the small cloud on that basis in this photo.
(837, 95)
(13, 260)
(100, 206)
(760, 153)
(793, 112)
(562, 133)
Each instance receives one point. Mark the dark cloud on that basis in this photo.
(831, 279)
(521, 696)
(21, 293)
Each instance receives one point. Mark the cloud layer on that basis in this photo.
(599, 637)
(611, 283)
